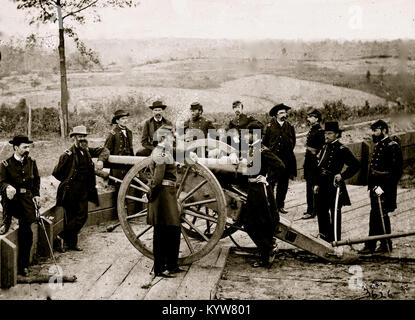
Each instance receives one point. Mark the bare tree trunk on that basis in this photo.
(62, 63)
(29, 122)
(61, 121)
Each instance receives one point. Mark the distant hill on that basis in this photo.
(144, 51)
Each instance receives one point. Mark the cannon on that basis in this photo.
(210, 196)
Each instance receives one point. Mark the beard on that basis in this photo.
(25, 154)
(378, 138)
(283, 119)
(83, 144)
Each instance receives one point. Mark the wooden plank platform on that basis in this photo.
(111, 268)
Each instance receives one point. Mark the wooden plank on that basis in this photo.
(106, 200)
(100, 216)
(206, 273)
(108, 282)
(8, 263)
(92, 263)
(131, 288)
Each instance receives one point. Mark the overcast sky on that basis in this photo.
(243, 19)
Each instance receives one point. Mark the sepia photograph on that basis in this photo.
(207, 154)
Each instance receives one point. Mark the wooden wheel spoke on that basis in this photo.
(196, 229)
(201, 184)
(141, 183)
(182, 182)
(186, 205)
(142, 213)
(136, 199)
(138, 188)
(187, 240)
(144, 231)
(196, 214)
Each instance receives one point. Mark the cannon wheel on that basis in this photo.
(197, 188)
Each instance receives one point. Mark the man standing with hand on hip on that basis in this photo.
(385, 170)
(19, 187)
(76, 172)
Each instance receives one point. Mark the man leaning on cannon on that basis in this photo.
(385, 170)
(19, 187)
(259, 215)
(76, 172)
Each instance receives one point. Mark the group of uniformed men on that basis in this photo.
(328, 163)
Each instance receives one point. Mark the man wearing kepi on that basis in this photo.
(385, 170)
(163, 212)
(150, 127)
(329, 184)
(197, 127)
(280, 138)
(19, 188)
(75, 171)
(239, 122)
(314, 143)
(120, 142)
(259, 215)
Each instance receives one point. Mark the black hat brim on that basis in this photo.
(274, 110)
(15, 143)
(162, 107)
(119, 116)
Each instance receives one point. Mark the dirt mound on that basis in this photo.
(297, 93)
(258, 93)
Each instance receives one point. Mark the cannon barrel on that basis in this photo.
(216, 165)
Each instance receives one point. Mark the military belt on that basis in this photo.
(168, 183)
(22, 190)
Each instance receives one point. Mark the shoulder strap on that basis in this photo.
(68, 152)
(5, 163)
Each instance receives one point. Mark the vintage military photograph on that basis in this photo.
(213, 150)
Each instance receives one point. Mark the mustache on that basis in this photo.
(26, 153)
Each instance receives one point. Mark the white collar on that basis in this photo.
(158, 120)
(280, 122)
(20, 159)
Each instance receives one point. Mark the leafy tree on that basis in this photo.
(72, 12)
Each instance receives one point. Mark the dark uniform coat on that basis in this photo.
(331, 160)
(24, 177)
(162, 208)
(385, 170)
(281, 140)
(241, 122)
(314, 143)
(67, 169)
(163, 212)
(151, 126)
(119, 144)
(201, 123)
(260, 215)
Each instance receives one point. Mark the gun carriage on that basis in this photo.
(210, 196)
